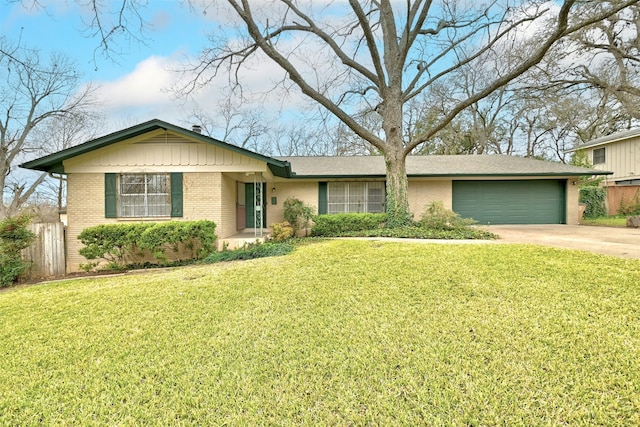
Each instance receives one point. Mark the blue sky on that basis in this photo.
(134, 86)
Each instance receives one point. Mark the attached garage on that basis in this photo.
(511, 202)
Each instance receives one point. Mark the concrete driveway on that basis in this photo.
(621, 242)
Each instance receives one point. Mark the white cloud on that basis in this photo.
(143, 86)
(145, 93)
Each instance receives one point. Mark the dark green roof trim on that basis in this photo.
(328, 177)
(53, 163)
(283, 171)
(452, 175)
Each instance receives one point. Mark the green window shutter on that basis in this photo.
(176, 194)
(322, 198)
(110, 195)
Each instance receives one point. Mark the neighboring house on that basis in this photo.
(619, 153)
(158, 171)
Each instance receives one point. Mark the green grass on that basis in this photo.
(606, 221)
(335, 333)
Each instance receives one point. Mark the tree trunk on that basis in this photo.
(398, 214)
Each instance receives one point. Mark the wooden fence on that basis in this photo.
(47, 253)
(617, 194)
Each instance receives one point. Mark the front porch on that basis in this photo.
(248, 235)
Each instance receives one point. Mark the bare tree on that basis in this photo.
(33, 93)
(232, 123)
(382, 55)
(610, 49)
(540, 114)
(378, 55)
(300, 138)
(59, 133)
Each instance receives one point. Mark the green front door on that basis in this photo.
(511, 202)
(251, 198)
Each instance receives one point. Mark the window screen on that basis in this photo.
(355, 196)
(144, 195)
(598, 156)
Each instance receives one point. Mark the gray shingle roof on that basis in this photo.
(433, 166)
(618, 136)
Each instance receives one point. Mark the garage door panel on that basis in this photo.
(510, 202)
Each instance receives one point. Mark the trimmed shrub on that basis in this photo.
(14, 237)
(297, 213)
(594, 198)
(437, 217)
(250, 251)
(121, 245)
(281, 231)
(181, 239)
(336, 224)
(115, 243)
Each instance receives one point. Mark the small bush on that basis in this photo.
(281, 231)
(121, 245)
(329, 225)
(297, 213)
(250, 251)
(14, 237)
(469, 233)
(437, 217)
(631, 206)
(594, 198)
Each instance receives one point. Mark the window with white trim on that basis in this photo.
(355, 196)
(144, 195)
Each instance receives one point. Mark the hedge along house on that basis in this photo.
(156, 171)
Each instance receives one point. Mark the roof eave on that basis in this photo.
(610, 139)
(456, 175)
(53, 163)
(280, 169)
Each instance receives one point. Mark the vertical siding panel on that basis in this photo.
(202, 154)
(175, 155)
(193, 154)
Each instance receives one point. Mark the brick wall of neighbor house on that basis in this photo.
(423, 192)
(302, 190)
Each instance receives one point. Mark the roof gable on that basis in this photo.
(53, 163)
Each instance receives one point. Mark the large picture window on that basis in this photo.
(345, 197)
(144, 195)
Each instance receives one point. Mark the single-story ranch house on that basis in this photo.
(158, 171)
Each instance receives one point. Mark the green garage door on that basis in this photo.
(511, 202)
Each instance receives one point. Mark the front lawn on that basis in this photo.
(335, 333)
(606, 221)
